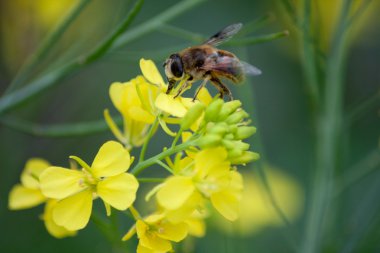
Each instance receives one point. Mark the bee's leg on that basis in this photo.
(170, 86)
(221, 87)
(183, 86)
(200, 87)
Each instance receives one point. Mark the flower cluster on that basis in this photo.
(203, 166)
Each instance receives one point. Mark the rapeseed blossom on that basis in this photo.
(28, 194)
(76, 189)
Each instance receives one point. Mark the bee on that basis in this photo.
(206, 62)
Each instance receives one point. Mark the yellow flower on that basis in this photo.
(75, 190)
(28, 194)
(257, 212)
(132, 100)
(209, 177)
(155, 234)
(142, 100)
(52, 227)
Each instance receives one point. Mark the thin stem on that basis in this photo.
(58, 130)
(141, 166)
(366, 166)
(328, 138)
(257, 39)
(152, 129)
(13, 99)
(255, 24)
(182, 33)
(308, 55)
(150, 179)
(179, 134)
(166, 167)
(47, 44)
(156, 22)
(34, 88)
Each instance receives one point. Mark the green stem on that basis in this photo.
(152, 129)
(308, 56)
(179, 134)
(255, 24)
(182, 33)
(257, 39)
(156, 22)
(58, 130)
(47, 44)
(141, 166)
(150, 180)
(328, 136)
(166, 167)
(16, 98)
(366, 166)
(13, 99)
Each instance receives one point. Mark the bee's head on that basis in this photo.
(174, 67)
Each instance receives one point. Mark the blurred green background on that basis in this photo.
(278, 101)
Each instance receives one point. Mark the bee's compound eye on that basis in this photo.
(176, 67)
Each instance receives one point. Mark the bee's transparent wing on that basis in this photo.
(223, 35)
(248, 69)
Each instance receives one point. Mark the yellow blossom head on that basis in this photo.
(75, 190)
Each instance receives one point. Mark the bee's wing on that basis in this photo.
(223, 35)
(249, 69)
(230, 67)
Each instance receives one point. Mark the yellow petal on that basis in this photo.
(170, 105)
(226, 204)
(150, 72)
(21, 197)
(184, 212)
(58, 182)
(208, 159)
(122, 96)
(172, 232)
(149, 239)
(54, 229)
(33, 169)
(204, 96)
(196, 227)
(175, 192)
(73, 212)
(141, 115)
(112, 159)
(118, 191)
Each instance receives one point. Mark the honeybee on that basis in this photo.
(206, 62)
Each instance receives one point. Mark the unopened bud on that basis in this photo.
(192, 115)
(229, 108)
(212, 111)
(237, 117)
(244, 132)
(234, 153)
(245, 158)
(219, 129)
(209, 140)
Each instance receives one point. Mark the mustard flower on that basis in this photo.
(155, 234)
(208, 177)
(76, 189)
(257, 211)
(28, 194)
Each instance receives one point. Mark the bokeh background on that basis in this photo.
(278, 102)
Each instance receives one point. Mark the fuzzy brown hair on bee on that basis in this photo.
(206, 62)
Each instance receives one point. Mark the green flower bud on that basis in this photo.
(212, 111)
(234, 153)
(228, 108)
(219, 129)
(244, 132)
(229, 144)
(245, 158)
(237, 117)
(209, 140)
(192, 115)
